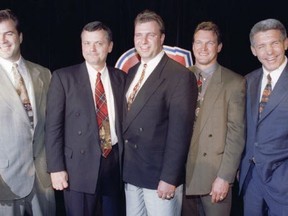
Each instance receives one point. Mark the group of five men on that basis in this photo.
(176, 138)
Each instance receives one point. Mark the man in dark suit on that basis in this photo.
(218, 138)
(77, 142)
(157, 127)
(264, 166)
(25, 186)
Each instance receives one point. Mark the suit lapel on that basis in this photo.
(277, 95)
(84, 90)
(255, 91)
(146, 91)
(115, 84)
(37, 84)
(10, 96)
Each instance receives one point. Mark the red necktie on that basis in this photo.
(102, 117)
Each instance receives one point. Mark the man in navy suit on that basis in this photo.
(74, 157)
(157, 126)
(264, 166)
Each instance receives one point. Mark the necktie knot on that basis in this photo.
(15, 65)
(98, 75)
(269, 78)
(200, 80)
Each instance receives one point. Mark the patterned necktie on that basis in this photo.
(22, 92)
(102, 117)
(265, 96)
(199, 84)
(136, 88)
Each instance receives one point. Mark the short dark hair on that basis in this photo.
(97, 26)
(265, 25)
(209, 26)
(148, 16)
(7, 14)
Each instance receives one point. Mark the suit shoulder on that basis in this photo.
(231, 76)
(117, 71)
(256, 72)
(33, 68)
(70, 70)
(36, 66)
(175, 69)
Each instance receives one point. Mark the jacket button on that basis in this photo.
(79, 133)
(126, 141)
(140, 129)
(210, 135)
(204, 154)
(135, 146)
(77, 114)
(82, 151)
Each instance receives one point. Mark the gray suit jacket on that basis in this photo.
(218, 138)
(22, 154)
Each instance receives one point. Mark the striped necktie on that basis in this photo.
(199, 84)
(22, 92)
(136, 88)
(266, 93)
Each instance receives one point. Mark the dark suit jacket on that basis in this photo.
(219, 133)
(72, 139)
(267, 138)
(158, 127)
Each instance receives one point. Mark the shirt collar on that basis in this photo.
(7, 65)
(275, 74)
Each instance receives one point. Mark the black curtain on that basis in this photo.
(52, 27)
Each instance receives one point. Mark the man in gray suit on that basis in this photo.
(25, 186)
(218, 137)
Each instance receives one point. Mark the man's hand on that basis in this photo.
(219, 191)
(59, 180)
(165, 190)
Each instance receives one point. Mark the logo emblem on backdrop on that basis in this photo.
(131, 57)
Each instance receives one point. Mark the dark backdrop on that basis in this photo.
(52, 29)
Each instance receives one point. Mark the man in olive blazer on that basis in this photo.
(218, 137)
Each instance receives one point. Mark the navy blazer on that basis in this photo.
(72, 139)
(157, 129)
(267, 137)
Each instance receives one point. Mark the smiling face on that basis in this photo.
(10, 41)
(148, 40)
(205, 48)
(95, 48)
(269, 47)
